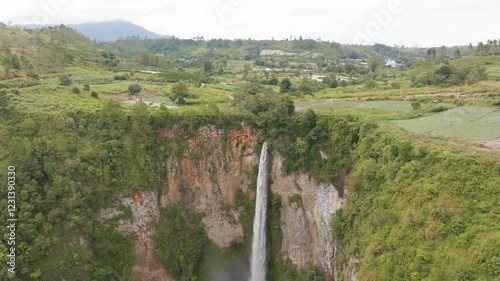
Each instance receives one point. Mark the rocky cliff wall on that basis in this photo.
(305, 221)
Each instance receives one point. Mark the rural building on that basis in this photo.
(275, 53)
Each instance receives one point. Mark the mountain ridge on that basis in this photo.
(108, 31)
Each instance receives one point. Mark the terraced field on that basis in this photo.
(386, 105)
(470, 123)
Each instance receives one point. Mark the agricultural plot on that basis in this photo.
(470, 123)
(325, 105)
(160, 99)
(403, 106)
(120, 87)
(54, 99)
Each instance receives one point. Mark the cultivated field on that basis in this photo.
(470, 123)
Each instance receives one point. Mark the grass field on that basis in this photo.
(470, 123)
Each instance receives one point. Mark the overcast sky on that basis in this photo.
(404, 22)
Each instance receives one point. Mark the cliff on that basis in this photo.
(213, 165)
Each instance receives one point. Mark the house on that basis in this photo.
(318, 78)
(392, 63)
(343, 78)
(275, 53)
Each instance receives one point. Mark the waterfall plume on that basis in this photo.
(258, 261)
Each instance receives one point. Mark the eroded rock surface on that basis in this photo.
(307, 236)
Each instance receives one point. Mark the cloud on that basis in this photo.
(309, 11)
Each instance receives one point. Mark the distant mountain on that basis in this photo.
(110, 31)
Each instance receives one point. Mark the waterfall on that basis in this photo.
(258, 261)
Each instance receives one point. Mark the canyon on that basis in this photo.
(215, 164)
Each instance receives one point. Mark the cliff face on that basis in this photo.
(305, 224)
(213, 166)
(207, 176)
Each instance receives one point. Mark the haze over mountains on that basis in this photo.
(110, 30)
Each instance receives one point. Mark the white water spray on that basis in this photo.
(258, 260)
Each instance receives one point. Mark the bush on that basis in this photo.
(297, 199)
(134, 89)
(121, 77)
(33, 75)
(371, 84)
(94, 94)
(438, 109)
(76, 90)
(415, 105)
(86, 87)
(65, 80)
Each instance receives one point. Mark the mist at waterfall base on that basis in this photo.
(238, 270)
(258, 260)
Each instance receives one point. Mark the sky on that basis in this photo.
(423, 23)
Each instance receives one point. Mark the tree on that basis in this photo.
(134, 89)
(65, 80)
(179, 92)
(220, 65)
(207, 66)
(470, 48)
(457, 54)
(285, 86)
(246, 69)
(480, 48)
(444, 70)
(442, 54)
(86, 87)
(331, 80)
(112, 120)
(148, 59)
(431, 55)
(376, 62)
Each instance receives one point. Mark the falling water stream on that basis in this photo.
(258, 260)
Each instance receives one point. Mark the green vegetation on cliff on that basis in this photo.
(416, 212)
